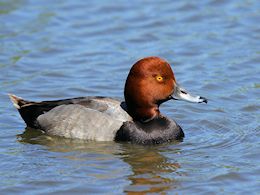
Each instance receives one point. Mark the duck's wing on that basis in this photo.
(30, 110)
(77, 121)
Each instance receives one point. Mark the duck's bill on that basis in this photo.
(181, 94)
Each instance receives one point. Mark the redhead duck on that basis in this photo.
(149, 83)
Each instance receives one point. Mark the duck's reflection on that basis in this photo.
(151, 171)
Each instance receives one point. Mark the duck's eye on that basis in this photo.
(159, 78)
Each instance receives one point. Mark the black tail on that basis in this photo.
(17, 101)
(29, 110)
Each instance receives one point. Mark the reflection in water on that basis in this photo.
(60, 144)
(151, 172)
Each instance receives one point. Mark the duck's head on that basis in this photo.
(151, 82)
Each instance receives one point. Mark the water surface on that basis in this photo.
(61, 49)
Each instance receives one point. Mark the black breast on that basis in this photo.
(156, 131)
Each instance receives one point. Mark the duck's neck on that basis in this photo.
(143, 113)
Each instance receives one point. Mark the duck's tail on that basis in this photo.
(18, 102)
(27, 109)
(30, 110)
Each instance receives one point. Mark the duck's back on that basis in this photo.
(91, 118)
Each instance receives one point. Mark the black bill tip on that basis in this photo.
(203, 99)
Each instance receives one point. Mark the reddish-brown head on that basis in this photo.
(149, 83)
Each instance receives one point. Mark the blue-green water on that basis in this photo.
(61, 49)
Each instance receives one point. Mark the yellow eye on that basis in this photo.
(159, 78)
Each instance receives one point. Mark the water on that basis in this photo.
(61, 49)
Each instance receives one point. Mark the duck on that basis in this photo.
(137, 119)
